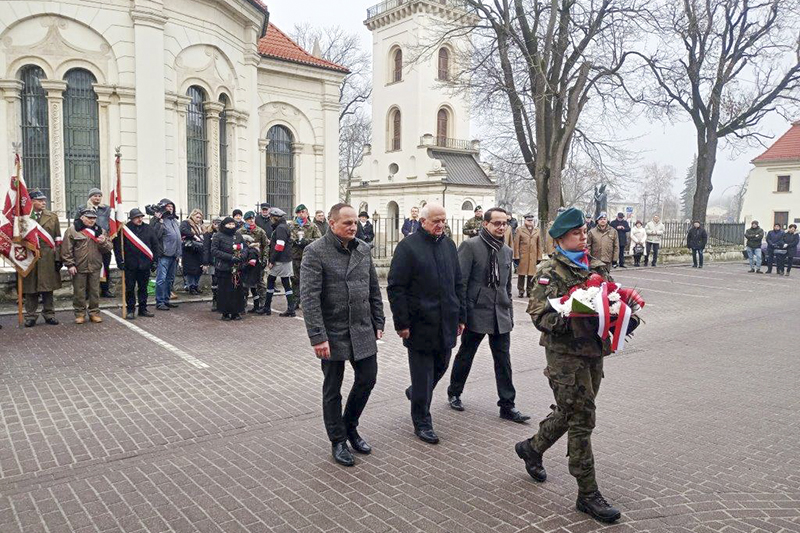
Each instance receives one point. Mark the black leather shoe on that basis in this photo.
(162, 307)
(455, 403)
(597, 507)
(30, 322)
(342, 455)
(130, 315)
(533, 460)
(359, 444)
(172, 305)
(427, 435)
(408, 393)
(145, 312)
(51, 321)
(514, 415)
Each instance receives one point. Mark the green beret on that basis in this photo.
(249, 215)
(570, 219)
(301, 207)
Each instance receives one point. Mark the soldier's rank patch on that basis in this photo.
(544, 281)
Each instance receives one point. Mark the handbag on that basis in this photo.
(638, 249)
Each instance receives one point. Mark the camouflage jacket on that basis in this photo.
(572, 336)
(302, 236)
(472, 226)
(260, 238)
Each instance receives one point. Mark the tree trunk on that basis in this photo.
(706, 160)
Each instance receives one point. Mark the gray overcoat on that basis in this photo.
(486, 307)
(341, 298)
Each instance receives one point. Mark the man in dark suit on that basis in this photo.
(343, 311)
(411, 225)
(427, 300)
(486, 264)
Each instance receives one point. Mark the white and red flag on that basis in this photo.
(19, 235)
(116, 219)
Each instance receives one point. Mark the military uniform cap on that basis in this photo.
(249, 215)
(301, 207)
(88, 212)
(36, 194)
(570, 219)
(478, 208)
(265, 205)
(276, 212)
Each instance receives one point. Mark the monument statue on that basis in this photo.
(600, 200)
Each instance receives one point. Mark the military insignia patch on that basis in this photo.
(544, 281)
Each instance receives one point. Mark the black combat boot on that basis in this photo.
(533, 460)
(266, 309)
(290, 306)
(597, 507)
(256, 305)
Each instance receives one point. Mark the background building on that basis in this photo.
(420, 149)
(211, 105)
(773, 186)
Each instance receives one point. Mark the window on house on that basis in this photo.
(280, 168)
(782, 218)
(35, 137)
(395, 125)
(397, 72)
(444, 64)
(783, 183)
(466, 206)
(196, 155)
(442, 120)
(223, 156)
(81, 137)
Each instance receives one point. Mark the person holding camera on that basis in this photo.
(192, 253)
(168, 233)
(139, 260)
(229, 253)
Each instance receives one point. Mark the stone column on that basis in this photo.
(262, 155)
(10, 109)
(55, 105)
(107, 171)
(181, 172)
(319, 177)
(232, 120)
(297, 152)
(213, 109)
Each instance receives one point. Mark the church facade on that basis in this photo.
(421, 150)
(210, 104)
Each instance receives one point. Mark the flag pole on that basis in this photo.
(118, 192)
(17, 215)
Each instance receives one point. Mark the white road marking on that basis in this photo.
(192, 360)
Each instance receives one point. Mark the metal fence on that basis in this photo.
(719, 234)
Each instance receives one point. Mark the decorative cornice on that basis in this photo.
(104, 93)
(53, 86)
(126, 95)
(391, 11)
(213, 109)
(152, 19)
(297, 147)
(319, 149)
(262, 144)
(11, 89)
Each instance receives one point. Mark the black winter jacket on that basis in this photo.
(697, 238)
(134, 258)
(264, 223)
(426, 291)
(280, 245)
(193, 250)
(222, 250)
(791, 240)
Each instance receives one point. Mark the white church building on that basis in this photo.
(210, 104)
(421, 150)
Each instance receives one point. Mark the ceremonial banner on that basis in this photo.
(19, 235)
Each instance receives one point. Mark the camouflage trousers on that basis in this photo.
(575, 382)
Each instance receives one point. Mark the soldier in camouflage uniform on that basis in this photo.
(574, 370)
(259, 292)
(304, 232)
(473, 226)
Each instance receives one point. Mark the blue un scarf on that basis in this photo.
(577, 258)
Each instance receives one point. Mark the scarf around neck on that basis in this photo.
(580, 259)
(495, 245)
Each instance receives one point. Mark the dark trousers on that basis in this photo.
(427, 368)
(697, 256)
(337, 425)
(621, 255)
(32, 305)
(525, 284)
(136, 288)
(500, 344)
(783, 260)
(770, 259)
(106, 285)
(651, 246)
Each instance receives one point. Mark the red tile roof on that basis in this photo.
(278, 45)
(786, 148)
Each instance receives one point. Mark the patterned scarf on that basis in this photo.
(495, 245)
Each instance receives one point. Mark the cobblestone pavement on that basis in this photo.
(186, 423)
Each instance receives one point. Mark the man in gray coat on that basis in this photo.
(343, 311)
(485, 263)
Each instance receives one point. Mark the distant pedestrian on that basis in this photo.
(343, 312)
(228, 250)
(365, 228)
(82, 252)
(426, 296)
(790, 240)
(655, 230)
(603, 241)
(103, 211)
(193, 251)
(486, 269)
(590, 223)
(321, 222)
(753, 237)
(303, 232)
(638, 239)
(168, 233)
(137, 260)
(696, 241)
(623, 229)
(238, 217)
(280, 263)
(473, 226)
(527, 254)
(45, 277)
(774, 242)
(255, 279)
(411, 225)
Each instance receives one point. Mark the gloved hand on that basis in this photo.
(516, 262)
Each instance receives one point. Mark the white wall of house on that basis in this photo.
(763, 200)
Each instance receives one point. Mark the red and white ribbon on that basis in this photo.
(621, 327)
(90, 233)
(137, 242)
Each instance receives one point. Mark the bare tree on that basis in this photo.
(355, 131)
(725, 64)
(654, 187)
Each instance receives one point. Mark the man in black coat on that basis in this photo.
(623, 228)
(486, 264)
(263, 221)
(141, 251)
(343, 312)
(427, 301)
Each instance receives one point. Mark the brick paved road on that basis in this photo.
(220, 429)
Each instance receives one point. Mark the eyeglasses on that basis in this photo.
(499, 223)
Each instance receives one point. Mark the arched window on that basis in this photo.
(196, 157)
(280, 168)
(35, 135)
(442, 123)
(466, 206)
(81, 138)
(444, 64)
(394, 130)
(397, 71)
(223, 156)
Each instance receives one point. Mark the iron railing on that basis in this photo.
(719, 234)
(453, 144)
(388, 5)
